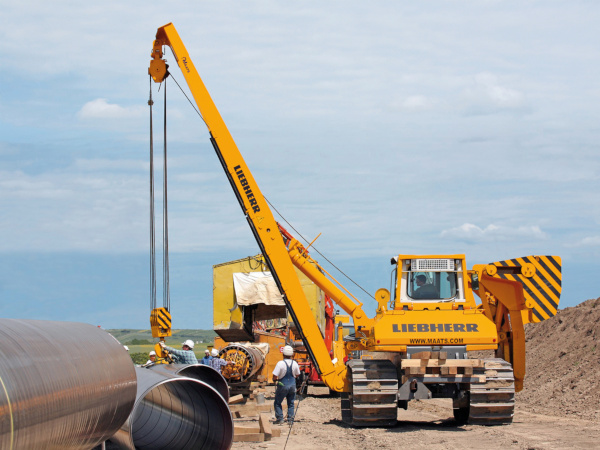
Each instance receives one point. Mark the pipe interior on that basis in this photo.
(181, 414)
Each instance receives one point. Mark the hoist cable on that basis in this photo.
(188, 99)
(321, 254)
(152, 217)
(166, 290)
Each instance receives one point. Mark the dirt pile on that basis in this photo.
(563, 363)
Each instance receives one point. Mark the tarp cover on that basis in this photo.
(256, 288)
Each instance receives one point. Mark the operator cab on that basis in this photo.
(429, 279)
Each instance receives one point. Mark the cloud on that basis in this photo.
(486, 95)
(101, 109)
(590, 241)
(468, 232)
(417, 103)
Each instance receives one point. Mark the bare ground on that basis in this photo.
(427, 424)
(558, 409)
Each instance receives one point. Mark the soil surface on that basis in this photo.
(559, 407)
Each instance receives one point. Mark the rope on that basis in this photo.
(152, 217)
(321, 254)
(166, 290)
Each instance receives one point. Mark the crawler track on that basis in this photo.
(493, 402)
(373, 400)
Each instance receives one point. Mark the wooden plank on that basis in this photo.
(244, 429)
(265, 426)
(444, 362)
(421, 355)
(253, 437)
(252, 409)
(236, 399)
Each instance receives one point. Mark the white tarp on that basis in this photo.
(255, 288)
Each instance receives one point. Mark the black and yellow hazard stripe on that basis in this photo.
(543, 287)
(160, 322)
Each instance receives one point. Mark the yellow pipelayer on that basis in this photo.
(431, 316)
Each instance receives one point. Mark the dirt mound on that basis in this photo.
(563, 363)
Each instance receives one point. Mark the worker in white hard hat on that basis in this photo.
(207, 358)
(184, 356)
(152, 359)
(216, 362)
(284, 375)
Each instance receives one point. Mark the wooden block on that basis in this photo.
(236, 414)
(468, 371)
(435, 370)
(443, 355)
(452, 370)
(421, 355)
(445, 370)
(244, 429)
(251, 409)
(275, 432)
(265, 426)
(236, 399)
(435, 355)
(442, 362)
(253, 437)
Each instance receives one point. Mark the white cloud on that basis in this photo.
(417, 103)
(590, 241)
(486, 95)
(101, 109)
(469, 232)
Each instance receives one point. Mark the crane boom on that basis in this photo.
(253, 204)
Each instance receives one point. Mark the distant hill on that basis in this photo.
(128, 336)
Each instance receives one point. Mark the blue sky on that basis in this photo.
(430, 127)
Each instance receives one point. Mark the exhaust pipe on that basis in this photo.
(175, 413)
(200, 372)
(64, 385)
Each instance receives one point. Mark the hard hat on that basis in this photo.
(288, 351)
(214, 352)
(189, 343)
(152, 353)
(207, 351)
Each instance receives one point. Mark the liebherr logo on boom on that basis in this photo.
(244, 182)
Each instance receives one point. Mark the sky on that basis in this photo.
(437, 127)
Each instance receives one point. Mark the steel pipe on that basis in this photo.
(246, 359)
(63, 385)
(176, 413)
(200, 372)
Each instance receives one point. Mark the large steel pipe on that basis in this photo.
(198, 372)
(63, 385)
(175, 413)
(246, 361)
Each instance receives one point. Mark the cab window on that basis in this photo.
(432, 285)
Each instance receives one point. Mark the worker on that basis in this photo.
(216, 362)
(152, 358)
(185, 355)
(424, 290)
(284, 375)
(207, 358)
